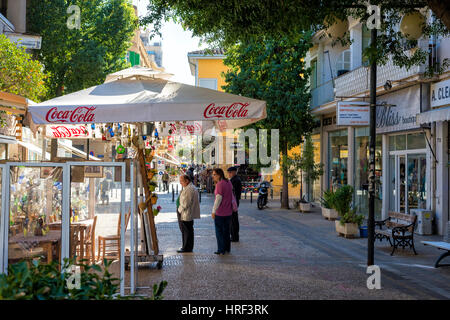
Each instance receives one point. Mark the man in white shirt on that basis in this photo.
(187, 211)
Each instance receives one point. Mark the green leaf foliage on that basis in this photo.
(228, 22)
(36, 281)
(76, 59)
(343, 199)
(19, 74)
(274, 70)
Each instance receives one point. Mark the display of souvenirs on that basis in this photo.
(33, 204)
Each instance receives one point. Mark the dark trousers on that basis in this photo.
(187, 233)
(166, 185)
(234, 227)
(222, 224)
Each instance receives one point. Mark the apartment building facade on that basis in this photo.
(412, 150)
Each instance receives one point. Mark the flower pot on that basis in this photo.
(150, 175)
(363, 232)
(154, 199)
(329, 214)
(304, 207)
(348, 230)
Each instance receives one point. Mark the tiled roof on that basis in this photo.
(208, 52)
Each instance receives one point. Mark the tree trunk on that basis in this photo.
(285, 196)
(442, 10)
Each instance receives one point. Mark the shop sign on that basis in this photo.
(353, 113)
(68, 132)
(182, 129)
(440, 93)
(400, 111)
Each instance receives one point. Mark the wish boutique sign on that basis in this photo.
(403, 112)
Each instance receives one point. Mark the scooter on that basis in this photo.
(263, 194)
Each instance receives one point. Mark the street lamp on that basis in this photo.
(411, 27)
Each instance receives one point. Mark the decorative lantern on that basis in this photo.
(412, 25)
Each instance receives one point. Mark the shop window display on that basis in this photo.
(95, 211)
(35, 203)
(407, 171)
(361, 176)
(338, 155)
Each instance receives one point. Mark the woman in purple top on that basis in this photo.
(222, 210)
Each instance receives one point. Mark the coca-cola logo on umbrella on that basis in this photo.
(77, 115)
(67, 131)
(234, 111)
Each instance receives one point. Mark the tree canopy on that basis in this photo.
(19, 74)
(75, 59)
(274, 71)
(228, 22)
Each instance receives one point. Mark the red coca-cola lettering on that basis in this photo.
(183, 128)
(69, 132)
(233, 111)
(78, 115)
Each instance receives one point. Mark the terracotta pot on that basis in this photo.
(154, 199)
(150, 175)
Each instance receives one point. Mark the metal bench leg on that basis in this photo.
(445, 254)
(394, 246)
(412, 245)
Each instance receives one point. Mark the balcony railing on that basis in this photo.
(357, 81)
(322, 94)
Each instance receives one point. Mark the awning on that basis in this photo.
(441, 114)
(7, 139)
(33, 148)
(38, 150)
(78, 152)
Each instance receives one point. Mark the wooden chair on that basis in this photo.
(109, 246)
(75, 241)
(89, 241)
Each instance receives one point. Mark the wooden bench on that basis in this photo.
(440, 245)
(399, 227)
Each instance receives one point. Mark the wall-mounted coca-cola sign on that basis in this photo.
(77, 115)
(235, 110)
(68, 132)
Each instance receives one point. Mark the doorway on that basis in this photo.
(408, 181)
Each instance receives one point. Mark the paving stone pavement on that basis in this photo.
(285, 255)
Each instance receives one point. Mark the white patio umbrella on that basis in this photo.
(146, 100)
(138, 72)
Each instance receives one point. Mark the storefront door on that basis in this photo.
(408, 182)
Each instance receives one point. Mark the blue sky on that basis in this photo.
(176, 43)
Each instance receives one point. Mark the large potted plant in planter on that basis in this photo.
(349, 221)
(304, 168)
(327, 202)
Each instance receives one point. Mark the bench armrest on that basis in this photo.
(381, 223)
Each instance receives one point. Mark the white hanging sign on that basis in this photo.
(353, 113)
(68, 131)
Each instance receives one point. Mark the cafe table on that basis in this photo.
(46, 242)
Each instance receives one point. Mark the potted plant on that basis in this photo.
(327, 203)
(304, 163)
(349, 222)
